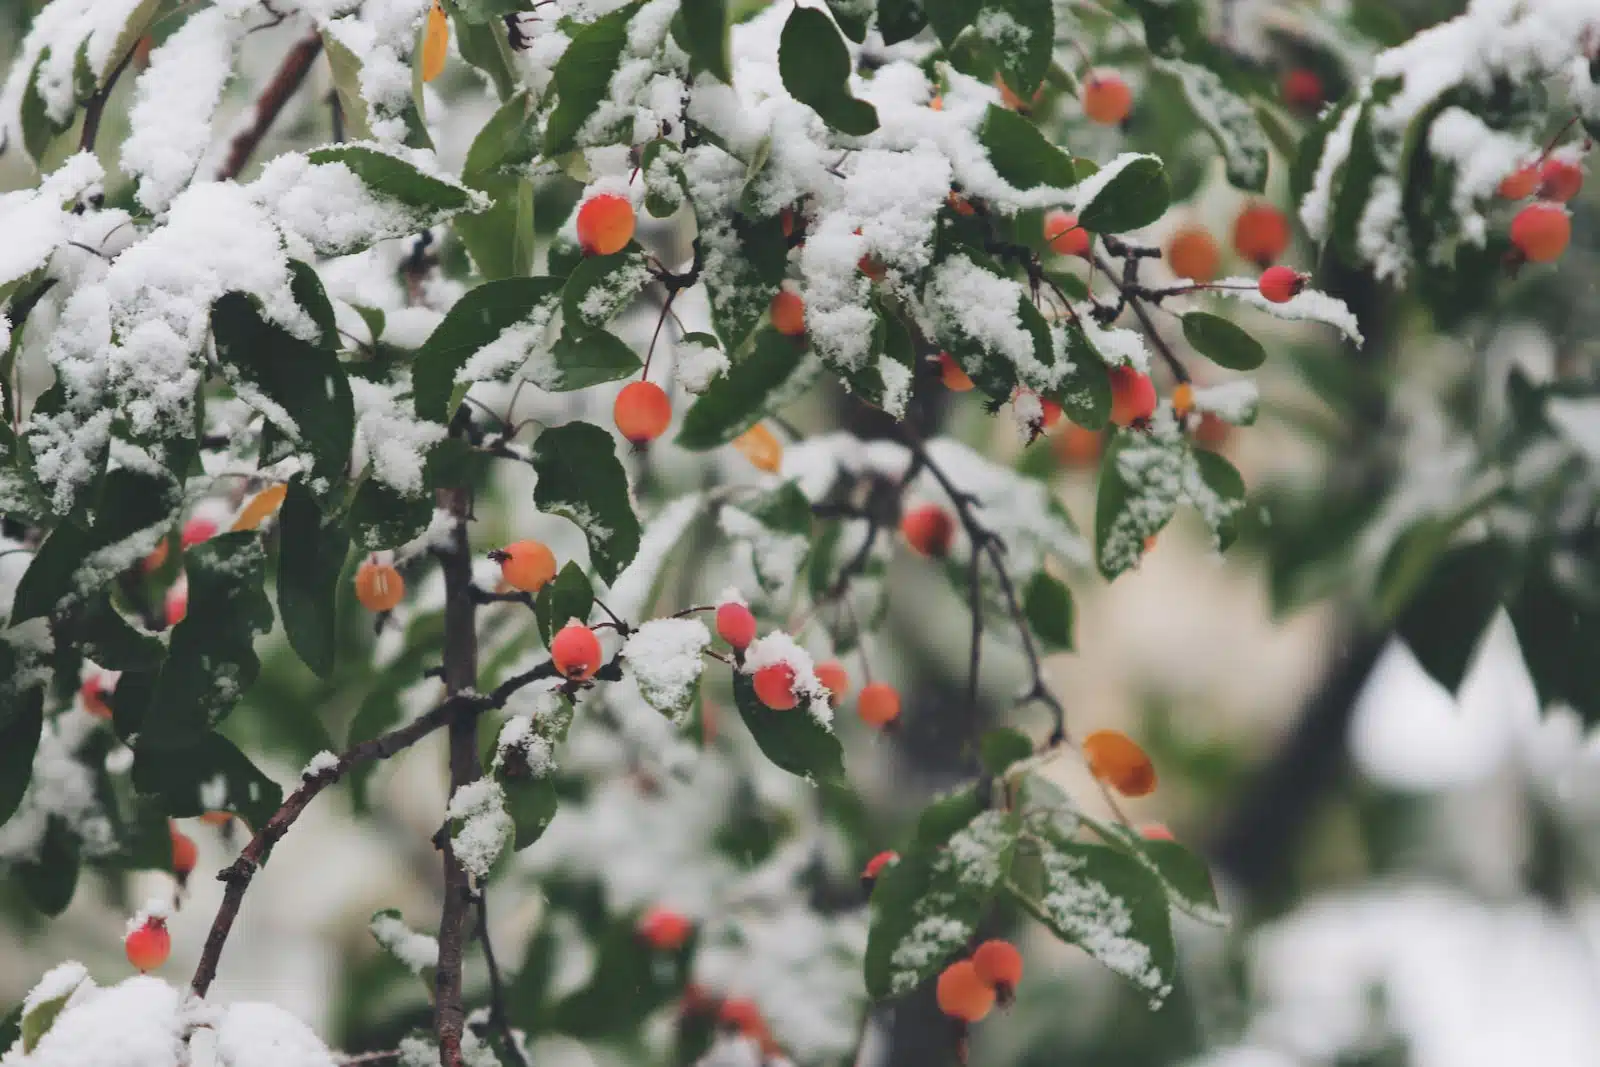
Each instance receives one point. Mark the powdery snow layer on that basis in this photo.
(415, 950)
(482, 825)
(665, 658)
(136, 1023)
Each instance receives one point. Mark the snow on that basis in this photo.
(970, 303)
(778, 647)
(58, 982)
(482, 825)
(37, 221)
(774, 555)
(1316, 210)
(389, 435)
(62, 787)
(696, 366)
(415, 951)
(381, 36)
(665, 659)
(264, 1035)
(1309, 305)
(325, 209)
(1236, 401)
(1101, 922)
(320, 764)
(63, 27)
(1087, 191)
(630, 595)
(136, 1023)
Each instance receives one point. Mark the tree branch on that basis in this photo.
(95, 108)
(498, 1017)
(290, 74)
(1130, 295)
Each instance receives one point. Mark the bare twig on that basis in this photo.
(498, 1017)
(1129, 294)
(290, 74)
(95, 108)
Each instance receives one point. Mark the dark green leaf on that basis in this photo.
(1303, 171)
(311, 555)
(310, 295)
(1224, 480)
(1222, 342)
(702, 31)
(381, 518)
(1135, 196)
(108, 638)
(1001, 747)
(19, 740)
(211, 775)
(531, 803)
(581, 480)
(1048, 606)
(793, 739)
(1171, 27)
(392, 177)
(1021, 46)
(1558, 629)
(50, 878)
(570, 596)
(500, 240)
(1085, 392)
(582, 76)
(739, 399)
(10, 1027)
(1448, 613)
(600, 287)
(484, 45)
(1229, 120)
(815, 65)
(474, 321)
(1021, 154)
(949, 17)
(581, 358)
(900, 20)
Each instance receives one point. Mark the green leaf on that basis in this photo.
(381, 518)
(1171, 27)
(1303, 171)
(1445, 617)
(484, 45)
(51, 877)
(1222, 342)
(600, 287)
(19, 740)
(108, 638)
(1048, 606)
(309, 294)
(581, 480)
(581, 358)
(582, 76)
(1002, 746)
(501, 239)
(38, 129)
(793, 739)
(815, 65)
(1085, 392)
(1227, 118)
(1134, 195)
(40, 1016)
(1021, 154)
(1128, 511)
(311, 556)
(1021, 41)
(926, 907)
(702, 30)
(310, 396)
(395, 178)
(742, 397)
(1558, 628)
(531, 803)
(1226, 485)
(950, 17)
(211, 660)
(1187, 878)
(1110, 905)
(474, 321)
(1353, 184)
(900, 20)
(10, 1028)
(211, 775)
(570, 596)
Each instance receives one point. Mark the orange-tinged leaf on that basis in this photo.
(435, 43)
(761, 448)
(262, 506)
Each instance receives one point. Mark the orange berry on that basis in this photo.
(435, 43)
(93, 693)
(575, 651)
(1520, 183)
(1156, 831)
(1010, 99)
(155, 560)
(1211, 432)
(774, 686)
(950, 373)
(786, 221)
(1149, 544)
(177, 605)
(928, 530)
(788, 313)
(1064, 235)
(1182, 400)
(1116, 759)
(526, 565)
(379, 586)
(1076, 446)
(1052, 412)
(960, 204)
(1193, 253)
(149, 946)
(736, 624)
(876, 864)
(1302, 89)
(998, 963)
(196, 531)
(1106, 99)
(835, 679)
(1281, 284)
(642, 412)
(261, 507)
(664, 929)
(1261, 233)
(1541, 231)
(605, 224)
(1133, 396)
(761, 448)
(937, 103)
(1560, 180)
(878, 704)
(185, 854)
(741, 1014)
(962, 994)
(216, 818)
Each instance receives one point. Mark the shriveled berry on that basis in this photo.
(878, 705)
(664, 929)
(774, 686)
(1281, 284)
(605, 224)
(1560, 180)
(1116, 759)
(526, 565)
(962, 994)
(1193, 253)
(1261, 233)
(149, 946)
(1133, 396)
(835, 679)
(185, 854)
(1541, 231)
(1106, 99)
(788, 313)
(998, 963)
(736, 624)
(642, 412)
(928, 529)
(575, 651)
(950, 373)
(379, 586)
(1064, 235)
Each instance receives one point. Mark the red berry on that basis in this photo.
(1156, 831)
(1281, 284)
(877, 863)
(950, 373)
(605, 224)
(664, 929)
(774, 686)
(149, 946)
(1302, 89)
(835, 679)
(642, 412)
(1051, 412)
(962, 994)
(929, 530)
(575, 651)
(788, 313)
(177, 604)
(1133, 396)
(1261, 233)
(197, 530)
(1560, 180)
(1541, 231)
(1106, 99)
(1520, 183)
(998, 963)
(878, 705)
(1064, 235)
(736, 625)
(185, 854)
(93, 693)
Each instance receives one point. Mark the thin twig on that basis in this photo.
(497, 988)
(95, 108)
(290, 74)
(1129, 295)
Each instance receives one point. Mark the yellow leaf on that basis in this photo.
(261, 507)
(435, 43)
(761, 448)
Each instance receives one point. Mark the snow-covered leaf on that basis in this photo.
(755, 385)
(581, 480)
(665, 658)
(46, 1000)
(393, 176)
(582, 77)
(815, 64)
(1020, 35)
(794, 740)
(1219, 497)
(1310, 305)
(1227, 118)
(512, 313)
(600, 287)
(1135, 498)
(1022, 155)
(1127, 193)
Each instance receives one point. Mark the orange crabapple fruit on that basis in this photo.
(605, 224)
(1065, 236)
(1106, 99)
(261, 507)
(642, 412)
(1281, 284)
(878, 704)
(1182, 400)
(1193, 253)
(1116, 759)
(1560, 180)
(950, 373)
(788, 313)
(664, 929)
(149, 945)
(1541, 231)
(999, 964)
(774, 686)
(1077, 446)
(435, 43)
(761, 447)
(575, 651)
(835, 679)
(928, 529)
(526, 565)
(185, 853)
(1133, 396)
(379, 586)
(1261, 233)
(962, 994)
(1520, 183)
(736, 624)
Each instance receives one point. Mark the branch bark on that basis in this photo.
(95, 108)
(290, 74)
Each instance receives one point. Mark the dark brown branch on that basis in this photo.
(1130, 295)
(96, 107)
(290, 74)
(498, 1018)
